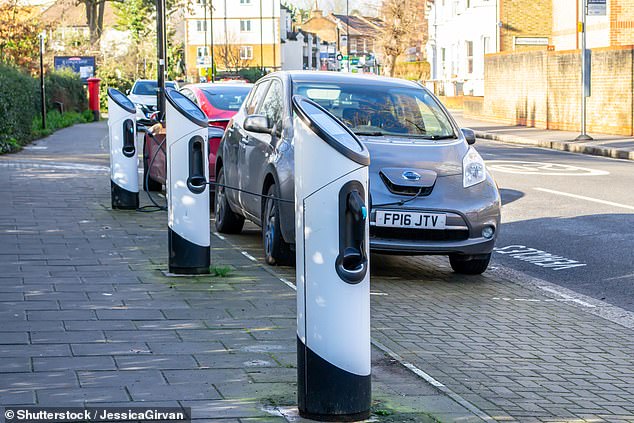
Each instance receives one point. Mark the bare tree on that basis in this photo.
(399, 30)
(230, 56)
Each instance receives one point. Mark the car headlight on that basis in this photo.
(473, 170)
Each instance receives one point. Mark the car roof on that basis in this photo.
(152, 80)
(344, 77)
(205, 85)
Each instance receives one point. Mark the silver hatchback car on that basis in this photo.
(430, 191)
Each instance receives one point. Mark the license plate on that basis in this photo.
(396, 219)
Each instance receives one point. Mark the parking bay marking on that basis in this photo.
(538, 257)
(540, 168)
(581, 197)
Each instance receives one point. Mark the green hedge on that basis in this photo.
(20, 105)
(65, 87)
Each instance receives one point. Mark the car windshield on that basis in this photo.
(378, 110)
(150, 87)
(226, 98)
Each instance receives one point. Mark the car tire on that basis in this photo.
(277, 252)
(227, 221)
(149, 184)
(467, 265)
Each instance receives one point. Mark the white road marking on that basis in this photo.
(631, 275)
(379, 294)
(249, 256)
(540, 168)
(567, 297)
(289, 284)
(538, 257)
(582, 197)
(26, 164)
(218, 235)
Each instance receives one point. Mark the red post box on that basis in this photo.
(93, 96)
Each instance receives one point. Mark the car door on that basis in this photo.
(233, 141)
(255, 153)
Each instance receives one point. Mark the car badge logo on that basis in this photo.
(410, 175)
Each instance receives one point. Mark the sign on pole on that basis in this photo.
(84, 66)
(597, 7)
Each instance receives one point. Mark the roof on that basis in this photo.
(360, 25)
(68, 13)
(343, 77)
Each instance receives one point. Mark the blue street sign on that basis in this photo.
(84, 66)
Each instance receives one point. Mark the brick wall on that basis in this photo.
(621, 22)
(543, 89)
(524, 18)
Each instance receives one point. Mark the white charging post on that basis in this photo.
(333, 269)
(124, 161)
(187, 190)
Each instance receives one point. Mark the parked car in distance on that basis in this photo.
(430, 192)
(143, 95)
(219, 102)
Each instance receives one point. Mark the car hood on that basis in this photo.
(149, 100)
(443, 157)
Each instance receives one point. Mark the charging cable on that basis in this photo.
(283, 200)
(401, 202)
(155, 207)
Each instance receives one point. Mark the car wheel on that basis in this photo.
(149, 184)
(227, 222)
(468, 265)
(276, 250)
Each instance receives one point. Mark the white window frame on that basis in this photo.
(249, 52)
(201, 25)
(245, 25)
(245, 2)
(202, 51)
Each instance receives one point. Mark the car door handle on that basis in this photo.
(244, 141)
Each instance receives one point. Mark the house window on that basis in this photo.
(486, 44)
(201, 26)
(469, 56)
(246, 52)
(245, 1)
(245, 26)
(201, 52)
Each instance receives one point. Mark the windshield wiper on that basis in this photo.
(369, 133)
(437, 137)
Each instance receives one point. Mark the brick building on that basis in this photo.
(245, 34)
(334, 28)
(543, 88)
(615, 28)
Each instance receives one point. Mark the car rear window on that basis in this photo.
(226, 98)
(149, 87)
(381, 109)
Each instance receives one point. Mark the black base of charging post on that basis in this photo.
(122, 199)
(185, 257)
(328, 393)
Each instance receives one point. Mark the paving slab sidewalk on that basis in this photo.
(87, 317)
(615, 146)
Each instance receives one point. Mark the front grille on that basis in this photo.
(407, 234)
(405, 189)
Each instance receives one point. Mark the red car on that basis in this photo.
(219, 101)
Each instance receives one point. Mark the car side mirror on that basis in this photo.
(258, 124)
(469, 135)
(127, 92)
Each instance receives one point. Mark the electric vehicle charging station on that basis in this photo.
(187, 190)
(333, 276)
(124, 160)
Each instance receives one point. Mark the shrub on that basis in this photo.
(111, 77)
(19, 104)
(65, 87)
